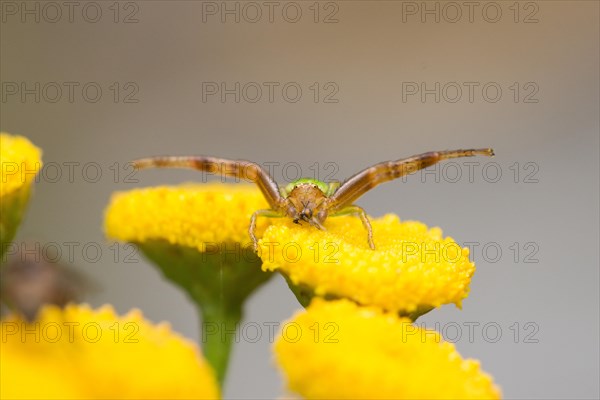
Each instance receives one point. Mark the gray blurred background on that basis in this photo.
(367, 71)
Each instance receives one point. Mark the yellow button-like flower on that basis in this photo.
(20, 161)
(198, 236)
(80, 353)
(339, 350)
(193, 215)
(412, 269)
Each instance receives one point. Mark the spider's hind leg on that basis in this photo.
(359, 212)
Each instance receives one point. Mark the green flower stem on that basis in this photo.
(218, 330)
(218, 282)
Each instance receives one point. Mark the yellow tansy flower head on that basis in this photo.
(20, 161)
(191, 215)
(198, 236)
(80, 353)
(412, 269)
(339, 350)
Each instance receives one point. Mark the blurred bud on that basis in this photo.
(29, 280)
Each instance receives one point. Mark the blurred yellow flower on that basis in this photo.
(20, 161)
(80, 353)
(338, 350)
(190, 215)
(412, 269)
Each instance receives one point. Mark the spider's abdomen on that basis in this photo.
(305, 182)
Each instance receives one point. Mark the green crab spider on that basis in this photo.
(310, 200)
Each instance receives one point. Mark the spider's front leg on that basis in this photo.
(252, 227)
(341, 201)
(240, 169)
(359, 212)
(367, 179)
(231, 168)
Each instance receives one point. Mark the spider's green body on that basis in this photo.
(326, 188)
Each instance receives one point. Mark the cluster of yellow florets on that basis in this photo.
(20, 160)
(344, 351)
(80, 353)
(412, 266)
(188, 215)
